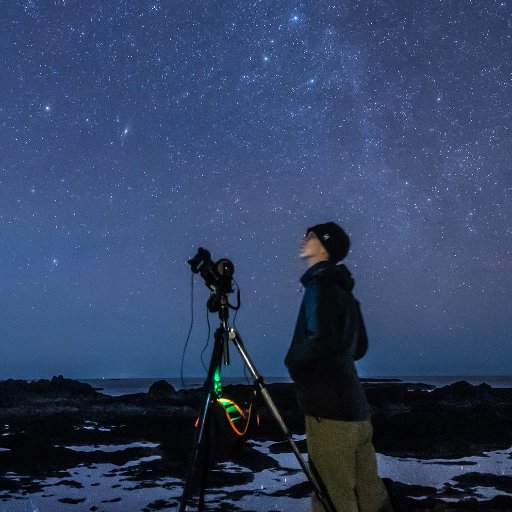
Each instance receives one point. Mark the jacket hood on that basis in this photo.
(328, 270)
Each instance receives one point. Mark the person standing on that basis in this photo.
(329, 336)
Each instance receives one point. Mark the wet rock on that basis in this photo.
(160, 505)
(501, 483)
(412, 498)
(453, 421)
(39, 419)
(253, 459)
(72, 501)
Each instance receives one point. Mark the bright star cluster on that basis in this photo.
(133, 132)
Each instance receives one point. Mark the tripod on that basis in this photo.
(223, 335)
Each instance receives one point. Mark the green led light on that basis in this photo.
(217, 384)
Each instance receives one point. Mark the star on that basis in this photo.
(237, 131)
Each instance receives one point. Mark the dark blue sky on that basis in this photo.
(131, 133)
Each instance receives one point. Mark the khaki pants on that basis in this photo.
(343, 455)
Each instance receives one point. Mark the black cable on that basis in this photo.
(236, 310)
(207, 340)
(190, 329)
(247, 378)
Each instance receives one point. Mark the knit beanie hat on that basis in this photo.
(333, 238)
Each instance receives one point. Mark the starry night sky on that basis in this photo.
(133, 132)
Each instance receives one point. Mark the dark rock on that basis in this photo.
(72, 501)
(160, 505)
(284, 447)
(113, 500)
(450, 422)
(462, 393)
(297, 491)
(162, 389)
(501, 483)
(15, 392)
(253, 459)
(68, 386)
(412, 491)
(407, 498)
(219, 478)
(70, 483)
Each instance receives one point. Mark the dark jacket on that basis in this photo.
(329, 335)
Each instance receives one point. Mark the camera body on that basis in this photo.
(217, 276)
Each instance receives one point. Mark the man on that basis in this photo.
(329, 335)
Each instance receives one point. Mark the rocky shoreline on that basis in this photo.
(39, 421)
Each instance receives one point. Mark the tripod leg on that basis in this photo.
(199, 442)
(206, 467)
(258, 380)
(201, 439)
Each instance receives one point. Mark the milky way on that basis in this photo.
(131, 133)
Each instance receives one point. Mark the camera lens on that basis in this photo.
(225, 268)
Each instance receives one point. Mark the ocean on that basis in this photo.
(116, 387)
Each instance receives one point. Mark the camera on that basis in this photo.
(217, 276)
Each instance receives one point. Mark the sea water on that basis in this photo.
(116, 387)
